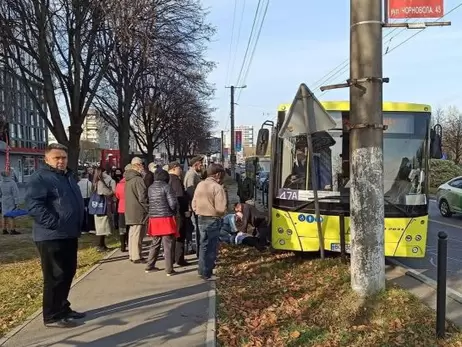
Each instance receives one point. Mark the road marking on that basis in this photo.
(447, 224)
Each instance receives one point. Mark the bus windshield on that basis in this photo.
(404, 156)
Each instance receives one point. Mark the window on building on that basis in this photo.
(29, 166)
(13, 130)
(32, 133)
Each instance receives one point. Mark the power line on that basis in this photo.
(238, 36)
(388, 51)
(254, 48)
(249, 42)
(231, 42)
(339, 69)
(418, 32)
(231, 47)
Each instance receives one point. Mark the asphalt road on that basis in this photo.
(427, 266)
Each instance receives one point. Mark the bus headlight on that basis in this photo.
(289, 232)
(415, 249)
(418, 237)
(282, 242)
(280, 231)
(408, 238)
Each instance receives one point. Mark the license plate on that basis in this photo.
(335, 247)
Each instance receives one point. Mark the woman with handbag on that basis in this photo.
(101, 203)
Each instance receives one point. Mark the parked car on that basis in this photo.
(449, 197)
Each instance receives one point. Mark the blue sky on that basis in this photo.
(302, 41)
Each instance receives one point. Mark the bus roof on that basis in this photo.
(387, 106)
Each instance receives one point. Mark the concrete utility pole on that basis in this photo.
(222, 148)
(366, 148)
(233, 150)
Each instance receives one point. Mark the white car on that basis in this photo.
(449, 197)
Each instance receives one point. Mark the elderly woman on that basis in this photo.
(163, 206)
(120, 195)
(10, 199)
(104, 185)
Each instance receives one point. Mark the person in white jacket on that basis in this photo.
(104, 185)
(85, 186)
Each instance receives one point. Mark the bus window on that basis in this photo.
(323, 162)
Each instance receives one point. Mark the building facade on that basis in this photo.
(25, 133)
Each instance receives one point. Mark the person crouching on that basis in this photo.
(163, 206)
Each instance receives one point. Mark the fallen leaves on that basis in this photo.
(279, 300)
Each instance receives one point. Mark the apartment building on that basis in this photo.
(25, 133)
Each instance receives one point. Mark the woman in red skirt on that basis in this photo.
(163, 206)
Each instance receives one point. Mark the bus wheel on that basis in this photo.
(444, 209)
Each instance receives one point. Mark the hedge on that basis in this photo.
(442, 171)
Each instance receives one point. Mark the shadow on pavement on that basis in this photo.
(148, 321)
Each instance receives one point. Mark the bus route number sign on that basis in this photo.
(288, 194)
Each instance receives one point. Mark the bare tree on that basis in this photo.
(63, 46)
(155, 39)
(452, 134)
(190, 127)
(437, 116)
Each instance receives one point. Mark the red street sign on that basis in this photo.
(400, 9)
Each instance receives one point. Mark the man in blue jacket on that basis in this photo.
(55, 203)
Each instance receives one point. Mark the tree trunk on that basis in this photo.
(74, 146)
(149, 150)
(124, 140)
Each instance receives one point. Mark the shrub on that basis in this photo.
(442, 171)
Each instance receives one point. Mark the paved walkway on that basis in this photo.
(127, 307)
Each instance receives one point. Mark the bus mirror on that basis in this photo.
(262, 141)
(436, 151)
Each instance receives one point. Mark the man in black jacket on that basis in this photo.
(55, 203)
(174, 170)
(255, 218)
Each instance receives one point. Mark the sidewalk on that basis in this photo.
(127, 307)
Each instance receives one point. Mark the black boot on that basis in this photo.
(179, 254)
(123, 243)
(102, 244)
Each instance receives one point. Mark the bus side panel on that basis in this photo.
(284, 235)
(413, 241)
(291, 231)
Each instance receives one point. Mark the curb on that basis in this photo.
(210, 337)
(34, 315)
(451, 293)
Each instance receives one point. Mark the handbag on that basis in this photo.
(97, 204)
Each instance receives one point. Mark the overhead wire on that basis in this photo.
(231, 42)
(339, 69)
(252, 54)
(238, 35)
(249, 42)
(233, 25)
(389, 50)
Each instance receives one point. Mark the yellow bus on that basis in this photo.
(406, 153)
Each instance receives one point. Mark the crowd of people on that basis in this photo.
(160, 202)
